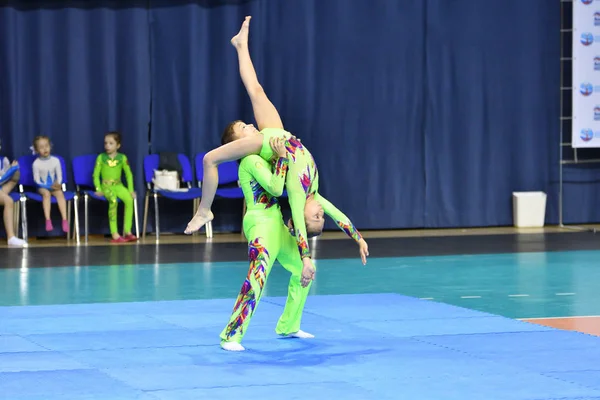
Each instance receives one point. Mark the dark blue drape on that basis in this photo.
(492, 107)
(419, 113)
(581, 193)
(74, 74)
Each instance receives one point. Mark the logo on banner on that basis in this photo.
(587, 38)
(586, 135)
(586, 88)
(585, 130)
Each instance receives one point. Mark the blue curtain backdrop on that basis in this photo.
(74, 74)
(419, 113)
(492, 110)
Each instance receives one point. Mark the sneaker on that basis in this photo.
(16, 242)
(232, 346)
(131, 238)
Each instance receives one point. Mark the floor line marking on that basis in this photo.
(470, 297)
(565, 294)
(571, 317)
(426, 298)
(518, 295)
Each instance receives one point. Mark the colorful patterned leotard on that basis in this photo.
(302, 181)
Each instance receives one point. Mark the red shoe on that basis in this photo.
(121, 239)
(131, 238)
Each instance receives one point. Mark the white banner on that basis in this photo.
(586, 73)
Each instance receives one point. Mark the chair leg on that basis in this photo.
(85, 216)
(137, 219)
(76, 224)
(156, 216)
(146, 201)
(23, 202)
(69, 206)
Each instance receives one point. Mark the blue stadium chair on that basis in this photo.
(228, 175)
(151, 163)
(28, 191)
(83, 171)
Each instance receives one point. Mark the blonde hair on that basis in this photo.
(37, 139)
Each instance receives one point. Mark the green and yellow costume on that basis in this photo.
(111, 171)
(268, 240)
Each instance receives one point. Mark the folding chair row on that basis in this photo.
(83, 167)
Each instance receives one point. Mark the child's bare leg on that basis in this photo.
(62, 204)
(10, 185)
(265, 113)
(46, 204)
(62, 207)
(8, 204)
(231, 151)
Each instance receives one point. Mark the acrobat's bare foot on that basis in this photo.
(201, 218)
(241, 39)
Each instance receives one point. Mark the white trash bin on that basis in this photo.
(529, 209)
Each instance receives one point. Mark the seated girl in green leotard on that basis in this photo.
(108, 171)
(240, 140)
